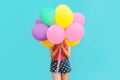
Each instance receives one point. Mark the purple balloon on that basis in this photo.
(39, 32)
(38, 20)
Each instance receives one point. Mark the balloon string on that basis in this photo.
(59, 60)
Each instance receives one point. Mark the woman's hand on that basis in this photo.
(61, 46)
(66, 52)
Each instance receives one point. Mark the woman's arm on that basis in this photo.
(53, 53)
(67, 53)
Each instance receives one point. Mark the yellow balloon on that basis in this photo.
(46, 43)
(72, 43)
(64, 16)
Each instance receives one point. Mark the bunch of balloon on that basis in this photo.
(56, 25)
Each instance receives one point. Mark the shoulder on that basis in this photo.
(66, 46)
(54, 47)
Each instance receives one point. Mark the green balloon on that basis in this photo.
(47, 16)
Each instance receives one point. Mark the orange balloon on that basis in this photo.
(72, 43)
(47, 43)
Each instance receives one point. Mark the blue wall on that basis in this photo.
(96, 58)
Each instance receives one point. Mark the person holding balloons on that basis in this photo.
(59, 29)
(60, 51)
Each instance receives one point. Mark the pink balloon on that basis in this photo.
(38, 20)
(75, 32)
(55, 34)
(79, 18)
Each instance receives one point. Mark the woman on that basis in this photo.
(62, 51)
